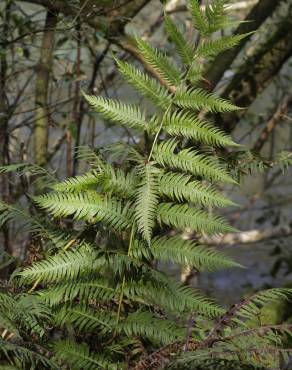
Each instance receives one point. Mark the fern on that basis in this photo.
(159, 62)
(100, 285)
(183, 124)
(87, 206)
(181, 216)
(181, 187)
(79, 356)
(184, 49)
(119, 113)
(199, 99)
(190, 161)
(147, 200)
(146, 85)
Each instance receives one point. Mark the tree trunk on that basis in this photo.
(257, 72)
(41, 90)
(258, 14)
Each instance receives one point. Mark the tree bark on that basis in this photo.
(41, 90)
(258, 14)
(256, 73)
(4, 119)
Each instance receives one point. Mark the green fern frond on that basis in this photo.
(128, 115)
(180, 187)
(86, 289)
(78, 356)
(198, 99)
(215, 47)
(159, 62)
(116, 181)
(35, 225)
(88, 181)
(144, 324)
(186, 252)
(254, 304)
(147, 200)
(216, 15)
(190, 161)
(86, 319)
(199, 20)
(66, 265)
(15, 353)
(184, 49)
(181, 216)
(146, 85)
(89, 206)
(184, 124)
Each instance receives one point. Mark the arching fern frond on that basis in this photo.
(146, 85)
(181, 216)
(190, 161)
(88, 181)
(123, 114)
(198, 99)
(79, 356)
(159, 62)
(65, 265)
(186, 252)
(184, 49)
(199, 20)
(182, 188)
(184, 124)
(215, 47)
(87, 206)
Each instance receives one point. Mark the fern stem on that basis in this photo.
(159, 130)
(167, 111)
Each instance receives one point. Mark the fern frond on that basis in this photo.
(199, 99)
(78, 356)
(190, 161)
(182, 216)
(147, 200)
(146, 85)
(159, 62)
(87, 206)
(253, 305)
(16, 353)
(180, 187)
(128, 115)
(186, 252)
(184, 124)
(31, 313)
(184, 49)
(116, 181)
(85, 288)
(36, 225)
(85, 318)
(216, 15)
(199, 20)
(144, 324)
(66, 265)
(215, 47)
(88, 181)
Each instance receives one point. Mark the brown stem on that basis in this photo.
(277, 117)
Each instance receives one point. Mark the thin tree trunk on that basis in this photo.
(4, 119)
(41, 90)
(257, 72)
(258, 14)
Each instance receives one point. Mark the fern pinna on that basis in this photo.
(101, 282)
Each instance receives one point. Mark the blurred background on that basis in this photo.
(52, 50)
